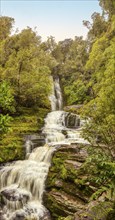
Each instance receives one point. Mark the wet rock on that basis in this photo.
(13, 193)
(66, 193)
(58, 183)
(72, 120)
(19, 215)
(1, 215)
(46, 215)
(34, 140)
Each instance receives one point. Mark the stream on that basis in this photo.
(22, 183)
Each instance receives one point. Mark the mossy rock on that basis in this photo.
(67, 218)
(60, 204)
(11, 152)
(27, 121)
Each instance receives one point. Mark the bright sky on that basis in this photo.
(58, 18)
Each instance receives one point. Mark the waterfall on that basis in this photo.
(22, 183)
(56, 96)
(54, 124)
(28, 146)
(63, 127)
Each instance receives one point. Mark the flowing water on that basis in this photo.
(22, 183)
(56, 96)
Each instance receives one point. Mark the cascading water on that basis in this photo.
(22, 183)
(56, 96)
(63, 127)
(54, 124)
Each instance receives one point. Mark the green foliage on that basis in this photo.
(108, 6)
(63, 174)
(97, 28)
(71, 56)
(29, 121)
(5, 123)
(12, 151)
(100, 112)
(100, 211)
(6, 97)
(6, 24)
(101, 173)
(26, 66)
(6, 106)
(101, 109)
(76, 93)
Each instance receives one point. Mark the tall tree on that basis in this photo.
(108, 7)
(97, 28)
(27, 67)
(6, 24)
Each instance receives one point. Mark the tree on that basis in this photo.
(27, 67)
(100, 114)
(6, 24)
(108, 7)
(76, 93)
(101, 108)
(72, 56)
(97, 28)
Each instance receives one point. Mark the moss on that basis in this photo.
(61, 169)
(26, 122)
(13, 151)
(67, 218)
(111, 215)
(102, 210)
(63, 173)
(55, 209)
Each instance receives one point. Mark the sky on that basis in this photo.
(61, 19)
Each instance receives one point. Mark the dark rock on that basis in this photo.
(15, 194)
(19, 215)
(72, 120)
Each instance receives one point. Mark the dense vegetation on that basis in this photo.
(24, 85)
(87, 73)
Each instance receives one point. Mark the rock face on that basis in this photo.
(72, 120)
(67, 188)
(66, 192)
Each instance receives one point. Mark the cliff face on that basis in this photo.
(68, 190)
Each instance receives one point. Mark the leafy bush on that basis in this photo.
(6, 97)
(5, 123)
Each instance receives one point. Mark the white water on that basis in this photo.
(28, 147)
(22, 183)
(56, 96)
(56, 131)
